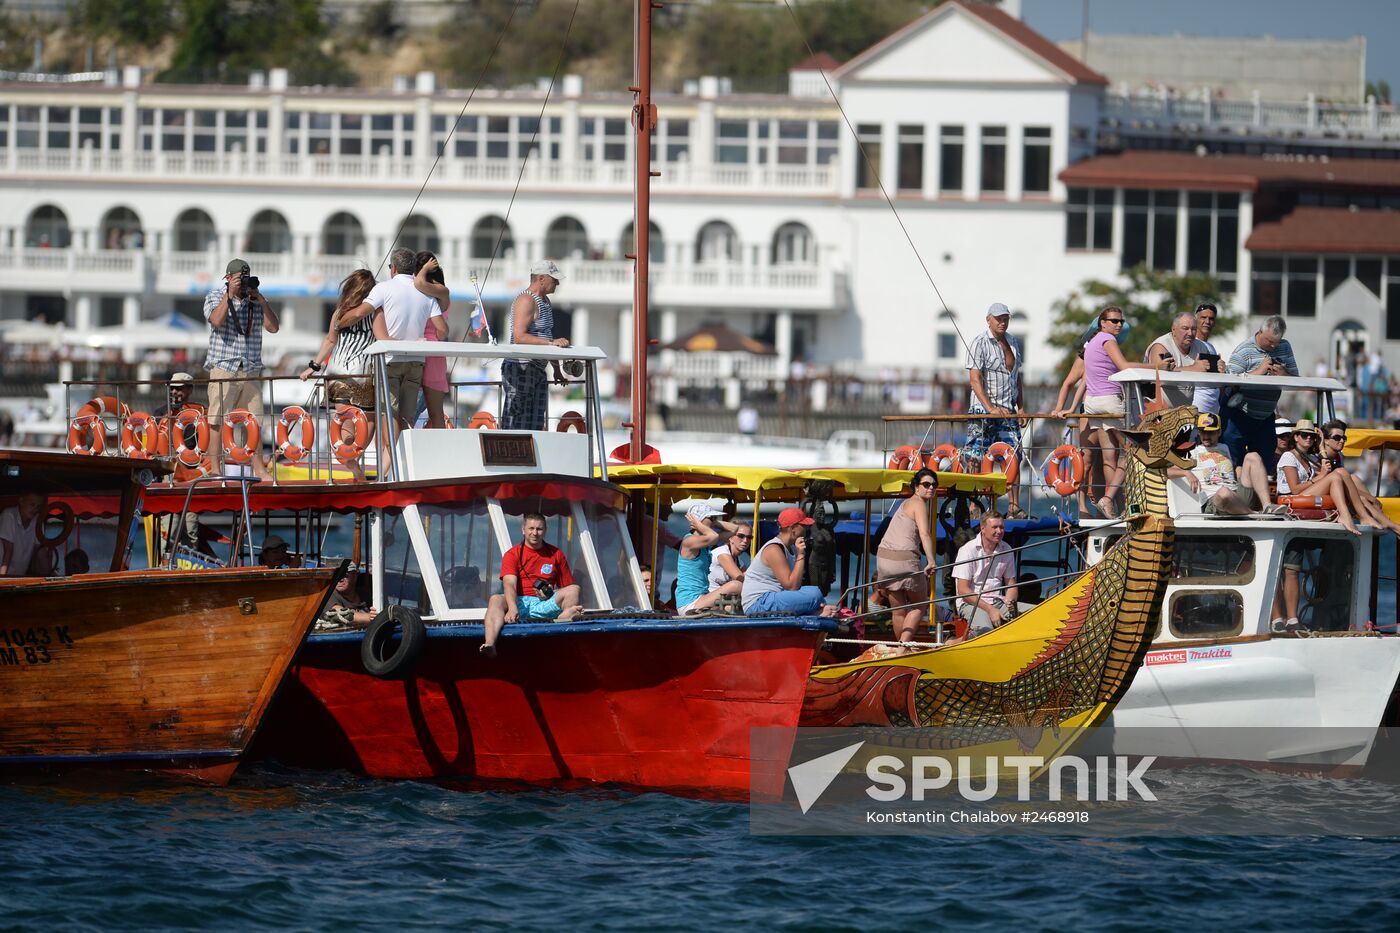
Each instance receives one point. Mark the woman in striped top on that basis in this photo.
(348, 380)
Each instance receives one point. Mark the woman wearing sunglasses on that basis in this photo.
(1334, 438)
(1300, 473)
(909, 535)
(1104, 399)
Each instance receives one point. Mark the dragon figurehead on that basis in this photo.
(1163, 438)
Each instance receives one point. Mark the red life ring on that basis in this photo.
(291, 416)
(64, 513)
(482, 419)
(1064, 471)
(80, 429)
(252, 441)
(945, 459)
(572, 421)
(191, 456)
(104, 405)
(348, 451)
(1324, 503)
(905, 457)
(140, 436)
(1001, 458)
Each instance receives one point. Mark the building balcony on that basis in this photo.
(386, 170)
(605, 282)
(1308, 118)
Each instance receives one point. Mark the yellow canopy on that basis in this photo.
(1362, 439)
(787, 484)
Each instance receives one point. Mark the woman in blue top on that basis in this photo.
(708, 529)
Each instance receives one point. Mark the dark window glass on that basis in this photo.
(948, 346)
(1392, 310)
(1035, 160)
(1134, 238)
(993, 159)
(1076, 228)
(1227, 235)
(1198, 242)
(911, 166)
(1334, 273)
(1206, 613)
(950, 166)
(868, 159)
(1368, 273)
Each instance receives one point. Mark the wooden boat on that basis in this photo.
(157, 670)
(621, 696)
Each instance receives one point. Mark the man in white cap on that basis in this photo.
(526, 382)
(708, 529)
(994, 373)
(177, 399)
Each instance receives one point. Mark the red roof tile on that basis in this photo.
(1139, 169)
(1329, 230)
(822, 61)
(1007, 25)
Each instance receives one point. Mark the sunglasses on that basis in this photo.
(1339, 438)
(927, 485)
(743, 536)
(1305, 435)
(1113, 320)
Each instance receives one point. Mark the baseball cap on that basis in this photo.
(272, 541)
(1283, 427)
(237, 265)
(793, 516)
(703, 510)
(547, 267)
(998, 310)
(1208, 421)
(181, 379)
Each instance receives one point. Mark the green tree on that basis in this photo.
(128, 22)
(1149, 301)
(220, 41)
(1380, 90)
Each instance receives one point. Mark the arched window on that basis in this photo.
(419, 233)
(194, 231)
(656, 243)
(566, 239)
(487, 232)
(343, 235)
(47, 226)
(121, 229)
(717, 242)
(793, 245)
(269, 233)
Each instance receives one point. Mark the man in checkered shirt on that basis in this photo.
(994, 374)
(237, 314)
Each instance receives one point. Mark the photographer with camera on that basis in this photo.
(773, 582)
(1249, 413)
(1207, 398)
(1178, 351)
(237, 314)
(539, 587)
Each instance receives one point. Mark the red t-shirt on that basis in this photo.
(548, 563)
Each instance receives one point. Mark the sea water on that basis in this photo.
(311, 850)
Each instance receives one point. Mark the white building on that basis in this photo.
(121, 201)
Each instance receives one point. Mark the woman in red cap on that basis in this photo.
(774, 580)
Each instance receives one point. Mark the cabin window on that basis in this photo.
(1206, 613)
(1213, 560)
(1324, 568)
(464, 543)
(403, 580)
(614, 556)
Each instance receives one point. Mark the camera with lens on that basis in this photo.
(251, 283)
(544, 589)
(572, 368)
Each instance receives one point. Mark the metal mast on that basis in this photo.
(644, 124)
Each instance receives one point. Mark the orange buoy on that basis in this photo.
(1324, 503)
(191, 456)
(252, 439)
(293, 415)
(572, 421)
(1001, 458)
(945, 459)
(482, 419)
(1064, 471)
(905, 457)
(140, 435)
(86, 435)
(343, 450)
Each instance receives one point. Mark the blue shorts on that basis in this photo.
(984, 433)
(534, 609)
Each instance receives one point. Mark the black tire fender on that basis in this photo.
(375, 649)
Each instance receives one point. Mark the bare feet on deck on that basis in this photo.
(568, 615)
(487, 651)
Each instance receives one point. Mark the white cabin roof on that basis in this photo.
(1294, 383)
(483, 351)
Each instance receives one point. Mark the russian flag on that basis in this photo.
(478, 321)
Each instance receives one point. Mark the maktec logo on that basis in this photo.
(1166, 657)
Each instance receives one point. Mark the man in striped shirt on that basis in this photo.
(1249, 413)
(994, 373)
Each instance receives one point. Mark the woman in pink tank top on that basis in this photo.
(1104, 399)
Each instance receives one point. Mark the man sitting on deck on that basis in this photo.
(1214, 480)
(539, 587)
(773, 582)
(985, 576)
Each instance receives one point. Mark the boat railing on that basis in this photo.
(242, 533)
(306, 434)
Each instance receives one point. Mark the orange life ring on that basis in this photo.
(140, 435)
(252, 442)
(80, 429)
(1324, 503)
(1064, 471)
(1001, 458)
(291, 415)
(190, 456)
(905, 457)
(64, 514)
(572, 421)
(482, 419)
(945, 459)
(104, 405)
(348, 451)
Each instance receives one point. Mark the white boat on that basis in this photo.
(1218, 682)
